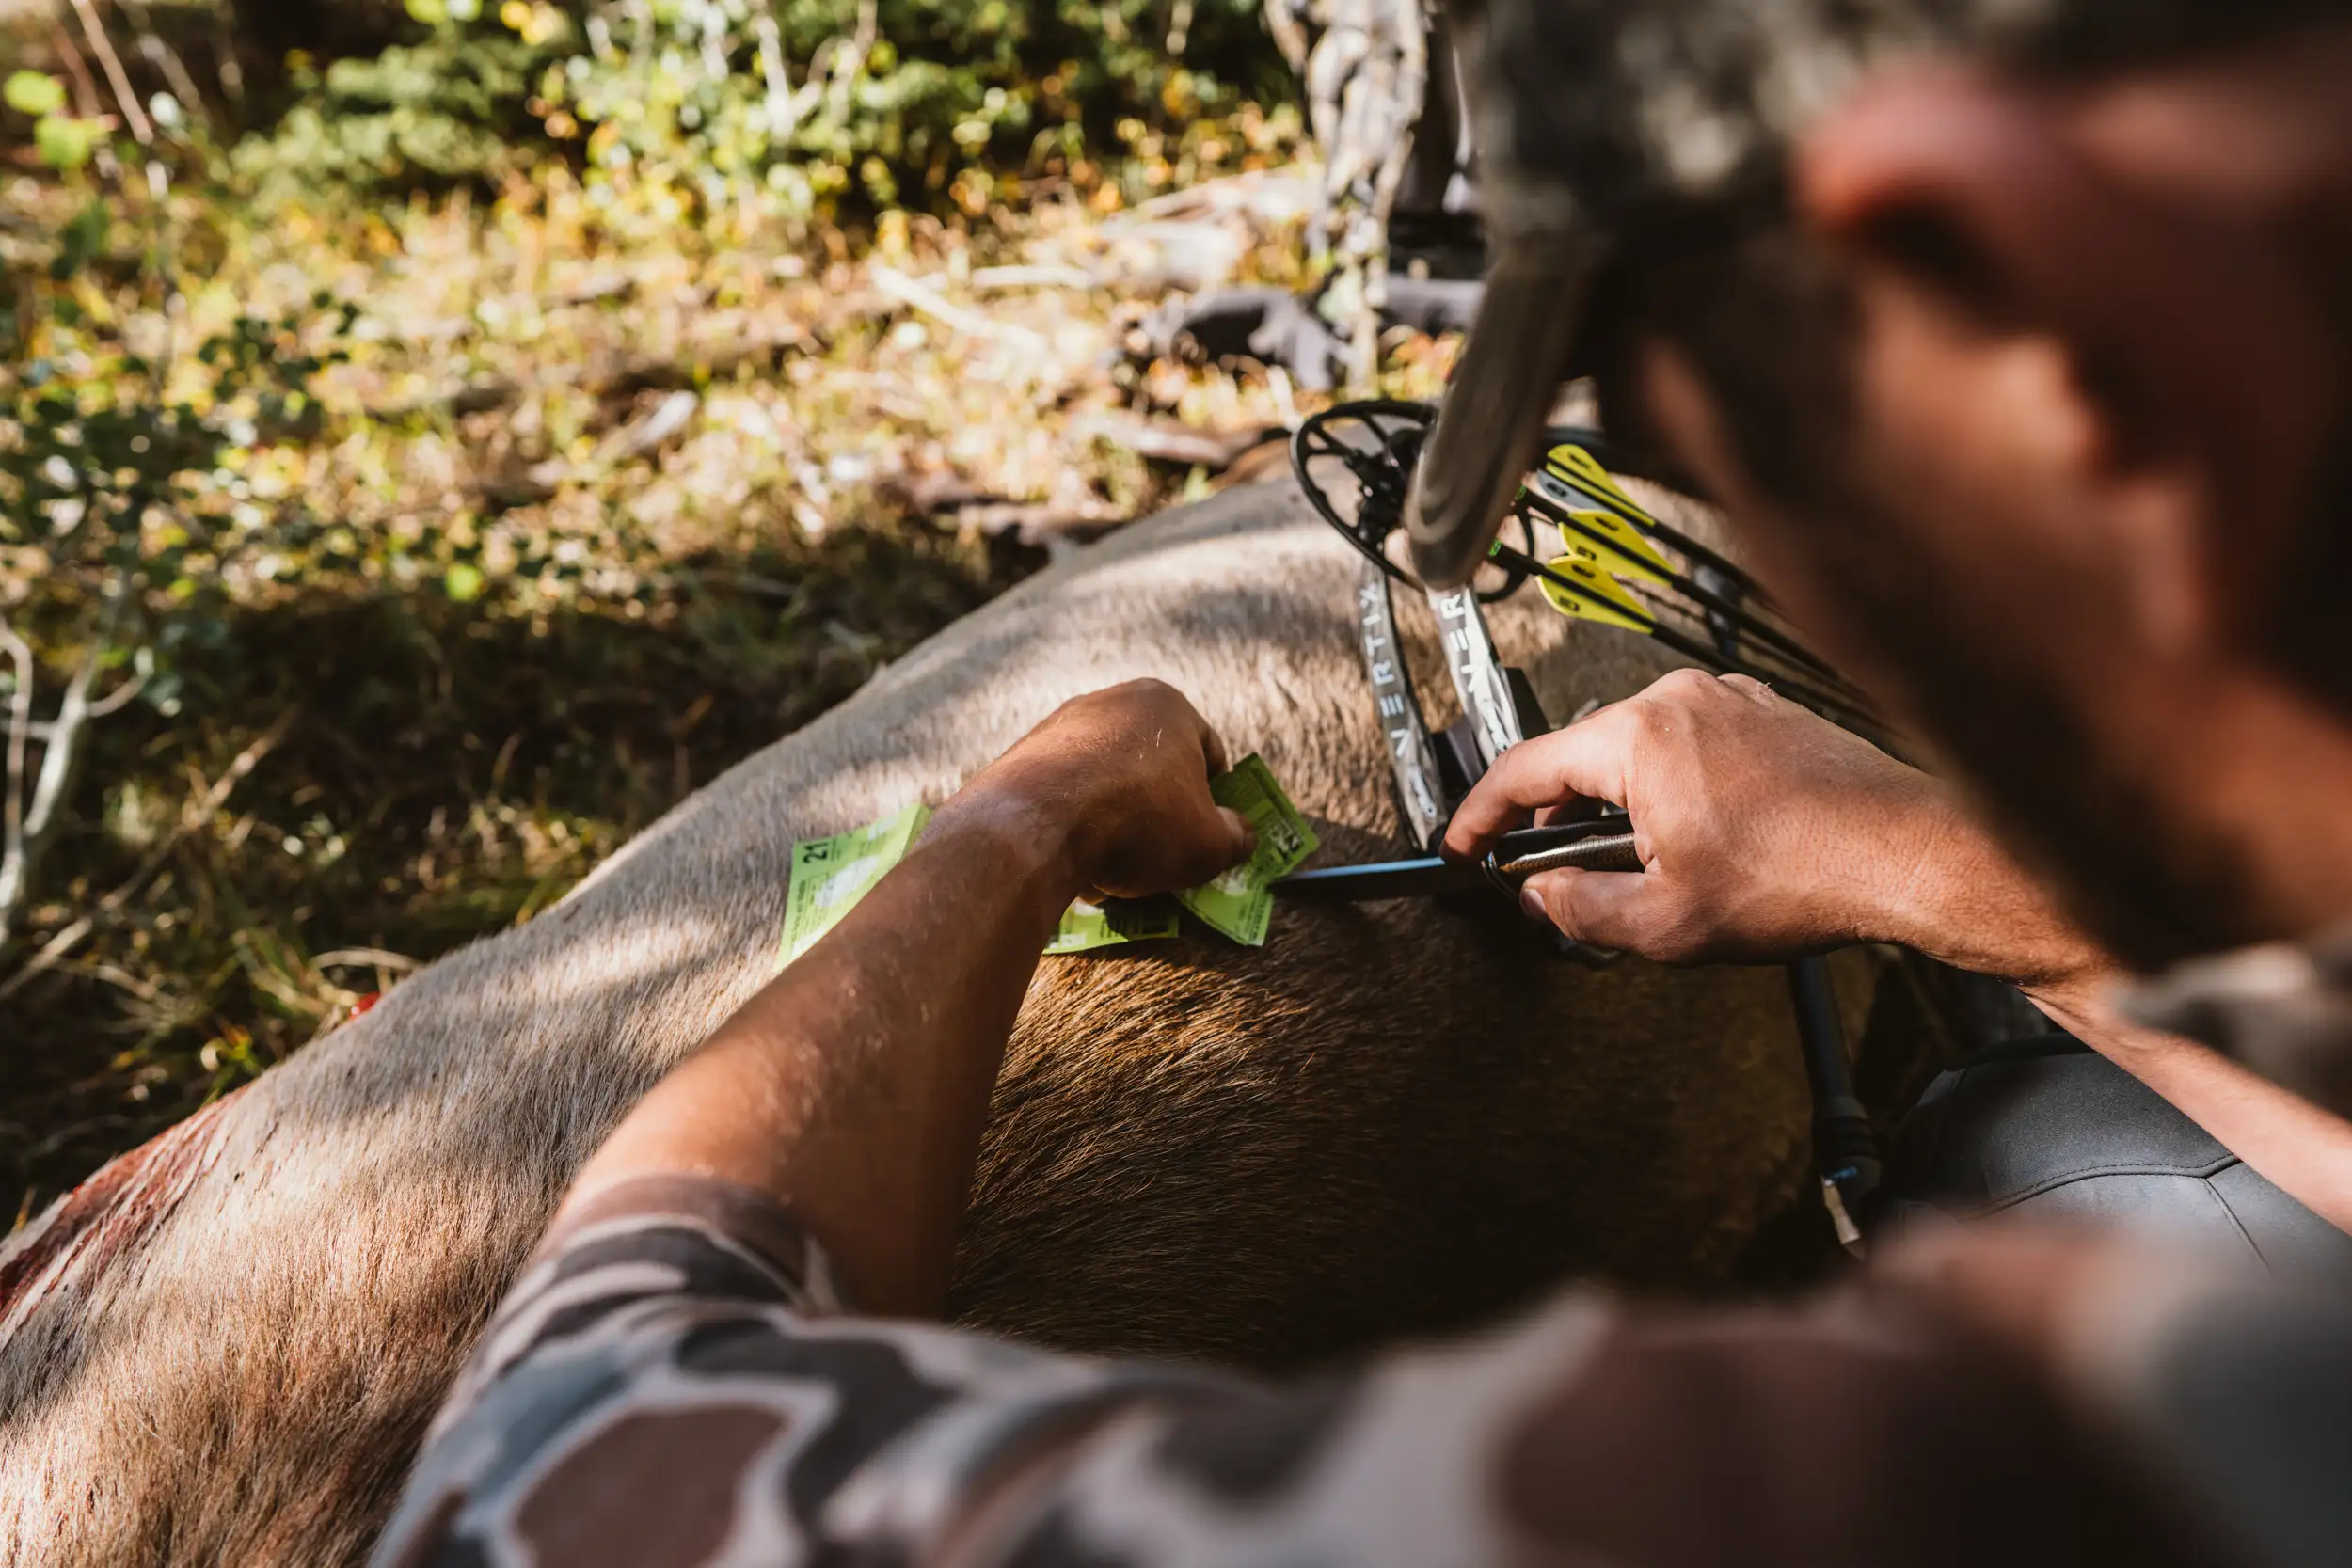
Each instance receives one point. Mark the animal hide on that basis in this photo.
(1393, 1119)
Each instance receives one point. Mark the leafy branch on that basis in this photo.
(101, 468)
(27, 830)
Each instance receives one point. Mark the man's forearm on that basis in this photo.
(2303, 1149)
(853, 1088)
(1947, 890)
(856, 1084)
(1963, 901)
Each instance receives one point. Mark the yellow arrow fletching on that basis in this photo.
(1617, 545)
(1574, 474)
(1573, 465)
(1596, 596)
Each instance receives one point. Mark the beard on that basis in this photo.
(2152, 888)
(1767, 324)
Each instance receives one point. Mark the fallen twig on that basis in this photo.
(117, 77)
(364, 958)
(919, 296)
(20, 740)
(47, 958)
(86, 102)
(1041, 524)
(155, 52)
(989, 278)
(1164, 441)
(191, 817)
(194, 816)
(30, 826)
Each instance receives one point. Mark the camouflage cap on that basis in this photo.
(1585, 107)
(1588, 113)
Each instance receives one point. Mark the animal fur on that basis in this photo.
(1391, 1120)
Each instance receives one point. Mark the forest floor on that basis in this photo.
(588, 505)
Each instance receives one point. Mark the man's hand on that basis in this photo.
(1120, 779)
(1766, 832)
(853, 1086)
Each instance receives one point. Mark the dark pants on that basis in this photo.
(2046, 1128)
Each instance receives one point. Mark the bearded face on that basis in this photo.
(1657, 135)
(1918, 605)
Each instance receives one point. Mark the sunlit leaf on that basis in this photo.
(462, 582)
(65, 143)
(34, 92)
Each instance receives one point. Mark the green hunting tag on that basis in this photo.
(1240, 903)
(831, 875)
(1086, 924)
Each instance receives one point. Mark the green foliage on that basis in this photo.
(65, 143)
(816, 102)
(462, 582)
(31, 92)
(79, 243)
(411, 586)
(108, 469)
(450, 109)
(441, 770)
(59, 140)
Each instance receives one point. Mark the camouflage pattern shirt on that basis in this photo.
(676, 1381)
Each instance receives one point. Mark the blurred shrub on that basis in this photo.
(452, 108)
(61, 139)
(821, 104)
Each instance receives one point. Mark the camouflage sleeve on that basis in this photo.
(673, 1382)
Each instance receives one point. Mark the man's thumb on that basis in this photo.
(1599, 906)
(1244, 836)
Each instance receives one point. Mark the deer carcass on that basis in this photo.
(1394, 1118)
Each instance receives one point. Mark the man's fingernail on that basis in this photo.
(1532, 904)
